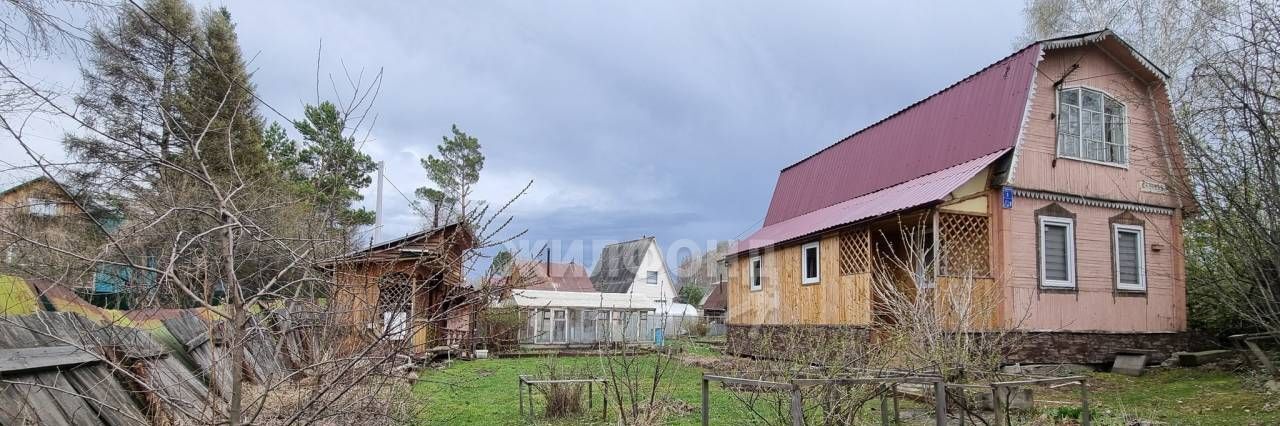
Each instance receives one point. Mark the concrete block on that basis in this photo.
(1129, 364)
(1192, 359)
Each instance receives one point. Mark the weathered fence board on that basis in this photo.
(212, 358)
(40, 358)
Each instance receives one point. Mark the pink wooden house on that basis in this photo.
(1045, 177)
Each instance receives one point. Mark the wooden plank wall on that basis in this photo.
(835, 299)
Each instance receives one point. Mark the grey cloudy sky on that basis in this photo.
(632, 118)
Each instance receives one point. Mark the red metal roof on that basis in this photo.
(974, 117)
(564, 276)
(915, 192)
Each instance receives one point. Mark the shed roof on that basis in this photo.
(715, 299)
(408, 246)
(618, 264)
(571, 299)
(920, 191)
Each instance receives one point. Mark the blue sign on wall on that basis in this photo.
(1006, 197)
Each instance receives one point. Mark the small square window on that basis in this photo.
(651, 277)
(809, 263)
(753, 274)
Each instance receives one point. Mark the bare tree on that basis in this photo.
(1229, 133)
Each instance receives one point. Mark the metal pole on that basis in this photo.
(520, 394)
(706, 402)
(940, 402)
(797, 406)
(377, 209)
(1086, 418)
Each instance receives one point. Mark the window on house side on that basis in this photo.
(651, 277)
(1130, 259)
(1091, 126)
(754, 274)
(809, 256)
(1057, 252)
(42, 207)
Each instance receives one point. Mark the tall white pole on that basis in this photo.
(377, 212)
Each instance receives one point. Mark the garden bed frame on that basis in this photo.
(528, 384)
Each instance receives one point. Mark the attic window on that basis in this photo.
(1091, 127)
(651, 278)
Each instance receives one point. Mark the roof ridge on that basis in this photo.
(631, 241)
(911, 106)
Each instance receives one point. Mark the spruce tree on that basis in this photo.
(220, 104)
(134, 83)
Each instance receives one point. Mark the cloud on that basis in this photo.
(638, 118)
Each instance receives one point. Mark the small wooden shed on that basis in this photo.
(408, 293)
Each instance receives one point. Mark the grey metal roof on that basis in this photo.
(618, 265)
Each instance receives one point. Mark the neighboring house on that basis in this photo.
(1044, 177)
(637, 267)
(50, 214)
(408, 290)
(702, 271)
(714, 305)
(562, 308)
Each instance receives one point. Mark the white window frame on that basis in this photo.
(754, 268)
(817, 263)
(563, 321)
(1124, 120)
(1071, 252)
(651, 277)
(1116, 229)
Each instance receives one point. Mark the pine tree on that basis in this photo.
(326, 168)
(453, 173)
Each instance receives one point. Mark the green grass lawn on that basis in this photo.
(1184, 396)
(484, 392)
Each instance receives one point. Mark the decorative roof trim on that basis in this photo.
(1098, 37)
(1092, 202)
(1026, 121)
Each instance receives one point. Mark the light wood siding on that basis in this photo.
(835, 299)
(17, 200)
(981, 299)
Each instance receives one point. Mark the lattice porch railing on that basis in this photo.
(964, 242)
(855, 252)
